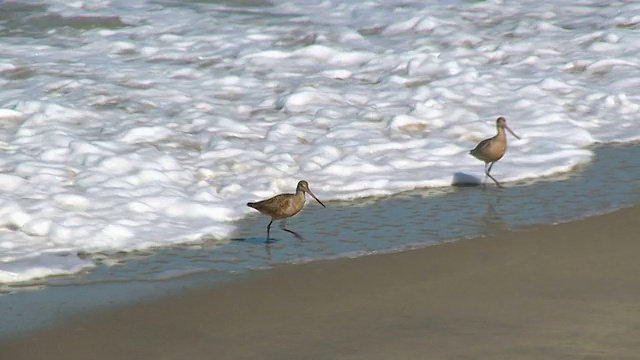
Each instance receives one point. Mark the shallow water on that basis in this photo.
(128, 125)
(399, 222)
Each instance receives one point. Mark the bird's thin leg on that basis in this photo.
(283, 223)
(268, 231)
(485, 174)
(492, 178)
(267, 248)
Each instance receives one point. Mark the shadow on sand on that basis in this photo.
(255, 240)
(461, 179)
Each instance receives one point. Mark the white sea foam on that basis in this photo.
(157, 123)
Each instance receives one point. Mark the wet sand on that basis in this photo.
(567, 291)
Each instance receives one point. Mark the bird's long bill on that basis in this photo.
(511, 132)
(313, 196)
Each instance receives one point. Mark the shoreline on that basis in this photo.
(569, 290)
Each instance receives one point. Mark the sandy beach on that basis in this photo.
(567, 291)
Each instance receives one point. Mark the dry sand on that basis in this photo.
(569, 291)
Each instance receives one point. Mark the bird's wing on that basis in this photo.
(481, 145)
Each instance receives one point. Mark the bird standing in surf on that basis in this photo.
(491, 150)
(283, 206)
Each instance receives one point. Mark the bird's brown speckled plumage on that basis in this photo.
(493, 149)
(284, 206)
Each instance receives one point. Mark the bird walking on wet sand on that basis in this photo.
(491, 150)
(283, 206)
